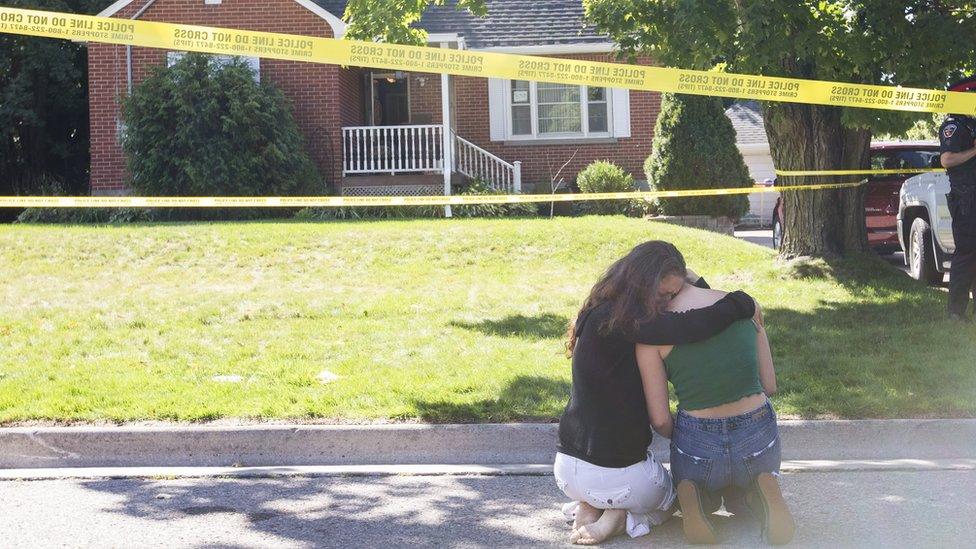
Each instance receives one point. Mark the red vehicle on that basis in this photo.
(881, 201)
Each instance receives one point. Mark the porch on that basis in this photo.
(405, 141)
(410, 159)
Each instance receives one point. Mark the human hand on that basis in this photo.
(691, 276)
(757, 318)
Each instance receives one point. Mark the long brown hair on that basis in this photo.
(630, 286)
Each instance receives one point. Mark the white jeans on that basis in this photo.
(643, 489)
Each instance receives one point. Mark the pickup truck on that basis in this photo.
(925, 226)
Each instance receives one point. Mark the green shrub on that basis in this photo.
(86, 215)
(64, 215)
(199, 129)
(474, 188)
(694, 148)
(47, 185)
(481, 188)
(369, 212)
(606, 177)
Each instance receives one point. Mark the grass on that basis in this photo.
(433, 320)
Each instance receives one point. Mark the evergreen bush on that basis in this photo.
(200, 128)
(694, 148)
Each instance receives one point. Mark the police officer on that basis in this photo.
(957, 137)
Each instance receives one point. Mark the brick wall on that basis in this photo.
(425, 98)
(326, 97)
(314, 90)
(351, 89)
(470, 119)
(539, 161)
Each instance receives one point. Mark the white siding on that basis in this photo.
(761, 205)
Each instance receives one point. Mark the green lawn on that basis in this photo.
(446, 320)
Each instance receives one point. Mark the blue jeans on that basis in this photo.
(724, 456)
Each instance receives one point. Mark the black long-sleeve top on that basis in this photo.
(606, 421)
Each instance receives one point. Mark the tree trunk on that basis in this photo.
(826, 223)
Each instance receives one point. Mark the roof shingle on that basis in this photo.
(508, 23)
(746, 117)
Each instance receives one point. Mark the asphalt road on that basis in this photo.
(855, 509)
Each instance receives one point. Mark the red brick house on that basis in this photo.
(383, 132)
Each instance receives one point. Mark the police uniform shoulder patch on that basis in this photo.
(949, 130)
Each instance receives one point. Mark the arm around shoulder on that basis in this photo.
(694, 325)
(655, 381)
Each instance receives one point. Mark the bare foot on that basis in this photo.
(612, 523)
(586, 514)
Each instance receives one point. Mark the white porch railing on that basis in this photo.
(475, 162)
(400, 149)
(392, 149)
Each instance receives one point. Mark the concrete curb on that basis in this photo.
(413, 444)
(542, 469)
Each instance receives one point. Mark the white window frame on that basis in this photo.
(534, 109)
(254, 62)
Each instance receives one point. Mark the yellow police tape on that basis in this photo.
(472, 63)
(807, 173)
(344, 201)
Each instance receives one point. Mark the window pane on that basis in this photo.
(916, 159)
(597, 107)
(598, 117)
(557, 93)
(559, 108)
(521, 120)
(878, 161)
(520, 92)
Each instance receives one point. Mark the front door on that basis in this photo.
(390, 100)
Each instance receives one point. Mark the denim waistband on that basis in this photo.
(721, 425)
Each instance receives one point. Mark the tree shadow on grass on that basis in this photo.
(889, 358)
(543, 326)
(524, 398)
(864, 274)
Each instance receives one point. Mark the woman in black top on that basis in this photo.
(603, 461)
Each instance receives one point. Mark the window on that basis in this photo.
(905, 160)
(596, 101)
(559, 108)
(219, 60)
(544, 109)
(521, 108)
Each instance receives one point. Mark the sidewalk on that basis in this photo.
(833, 510)
(885, 483)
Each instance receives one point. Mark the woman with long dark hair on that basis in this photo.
(603, 462)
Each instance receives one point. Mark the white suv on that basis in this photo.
(925, 226)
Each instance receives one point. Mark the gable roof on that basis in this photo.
(338, 26)
(747, 120)
(510, 25)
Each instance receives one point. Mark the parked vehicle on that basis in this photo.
(881, 201)
(925, 226)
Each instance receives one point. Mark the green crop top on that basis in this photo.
(716, 371)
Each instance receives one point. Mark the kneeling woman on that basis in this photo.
(603, 462)
(724, 442)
